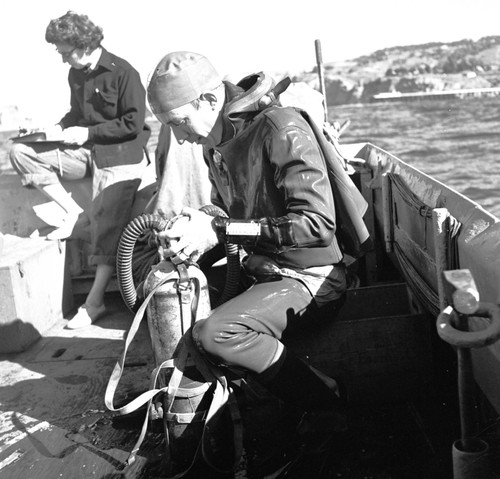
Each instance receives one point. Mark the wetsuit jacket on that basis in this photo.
(270, 168)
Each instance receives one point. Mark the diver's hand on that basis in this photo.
(192, 235)
(75, 135)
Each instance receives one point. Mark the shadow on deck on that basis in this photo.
(403, 413)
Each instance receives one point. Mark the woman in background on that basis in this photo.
(103, 135)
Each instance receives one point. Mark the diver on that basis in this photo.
(268, 173)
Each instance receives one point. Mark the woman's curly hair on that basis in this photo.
(76, 30)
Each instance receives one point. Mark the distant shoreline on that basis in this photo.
(438, 95)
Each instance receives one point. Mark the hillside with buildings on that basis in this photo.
(427, 67)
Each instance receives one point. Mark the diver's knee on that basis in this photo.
(207, 334)
(201, 334)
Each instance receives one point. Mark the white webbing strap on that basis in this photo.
(116, 375)
(221, 396)
(120, 365)
(210, 373)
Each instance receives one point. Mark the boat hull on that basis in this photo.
(411, 231)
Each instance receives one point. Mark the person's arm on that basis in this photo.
(74, 114)
(215, 196)
(301, 176)
(132, 112)
(67, 129)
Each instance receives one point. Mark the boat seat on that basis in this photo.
(378, 345)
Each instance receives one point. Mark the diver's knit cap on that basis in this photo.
(180, 78)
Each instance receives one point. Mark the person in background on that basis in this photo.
(182, 176)
(268, 174)
(103, 135)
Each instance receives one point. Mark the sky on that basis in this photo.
(238, 37)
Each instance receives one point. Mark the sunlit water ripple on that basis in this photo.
(455, 141)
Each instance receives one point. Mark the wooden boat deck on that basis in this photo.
(403, 415)
(53, 422)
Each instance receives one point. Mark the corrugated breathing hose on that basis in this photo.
(146, 259)
(233, 261)
(128, 239)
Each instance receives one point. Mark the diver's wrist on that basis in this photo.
(242, 232)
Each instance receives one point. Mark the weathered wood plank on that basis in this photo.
(53, 422)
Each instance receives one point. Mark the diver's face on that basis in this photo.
(192, 123)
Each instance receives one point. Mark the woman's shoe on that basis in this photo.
(85, 316)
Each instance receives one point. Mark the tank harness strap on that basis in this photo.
(189, 301)
(120, 365)
(222, 394)
(116, 375)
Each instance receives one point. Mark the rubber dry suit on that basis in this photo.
(260, 93)
(268, 168)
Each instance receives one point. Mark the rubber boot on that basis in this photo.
(296, 383)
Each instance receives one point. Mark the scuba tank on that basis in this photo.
(181, 293)
(181, 297)
(186, 391)
(180, 289)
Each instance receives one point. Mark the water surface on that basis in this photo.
(455, 141)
